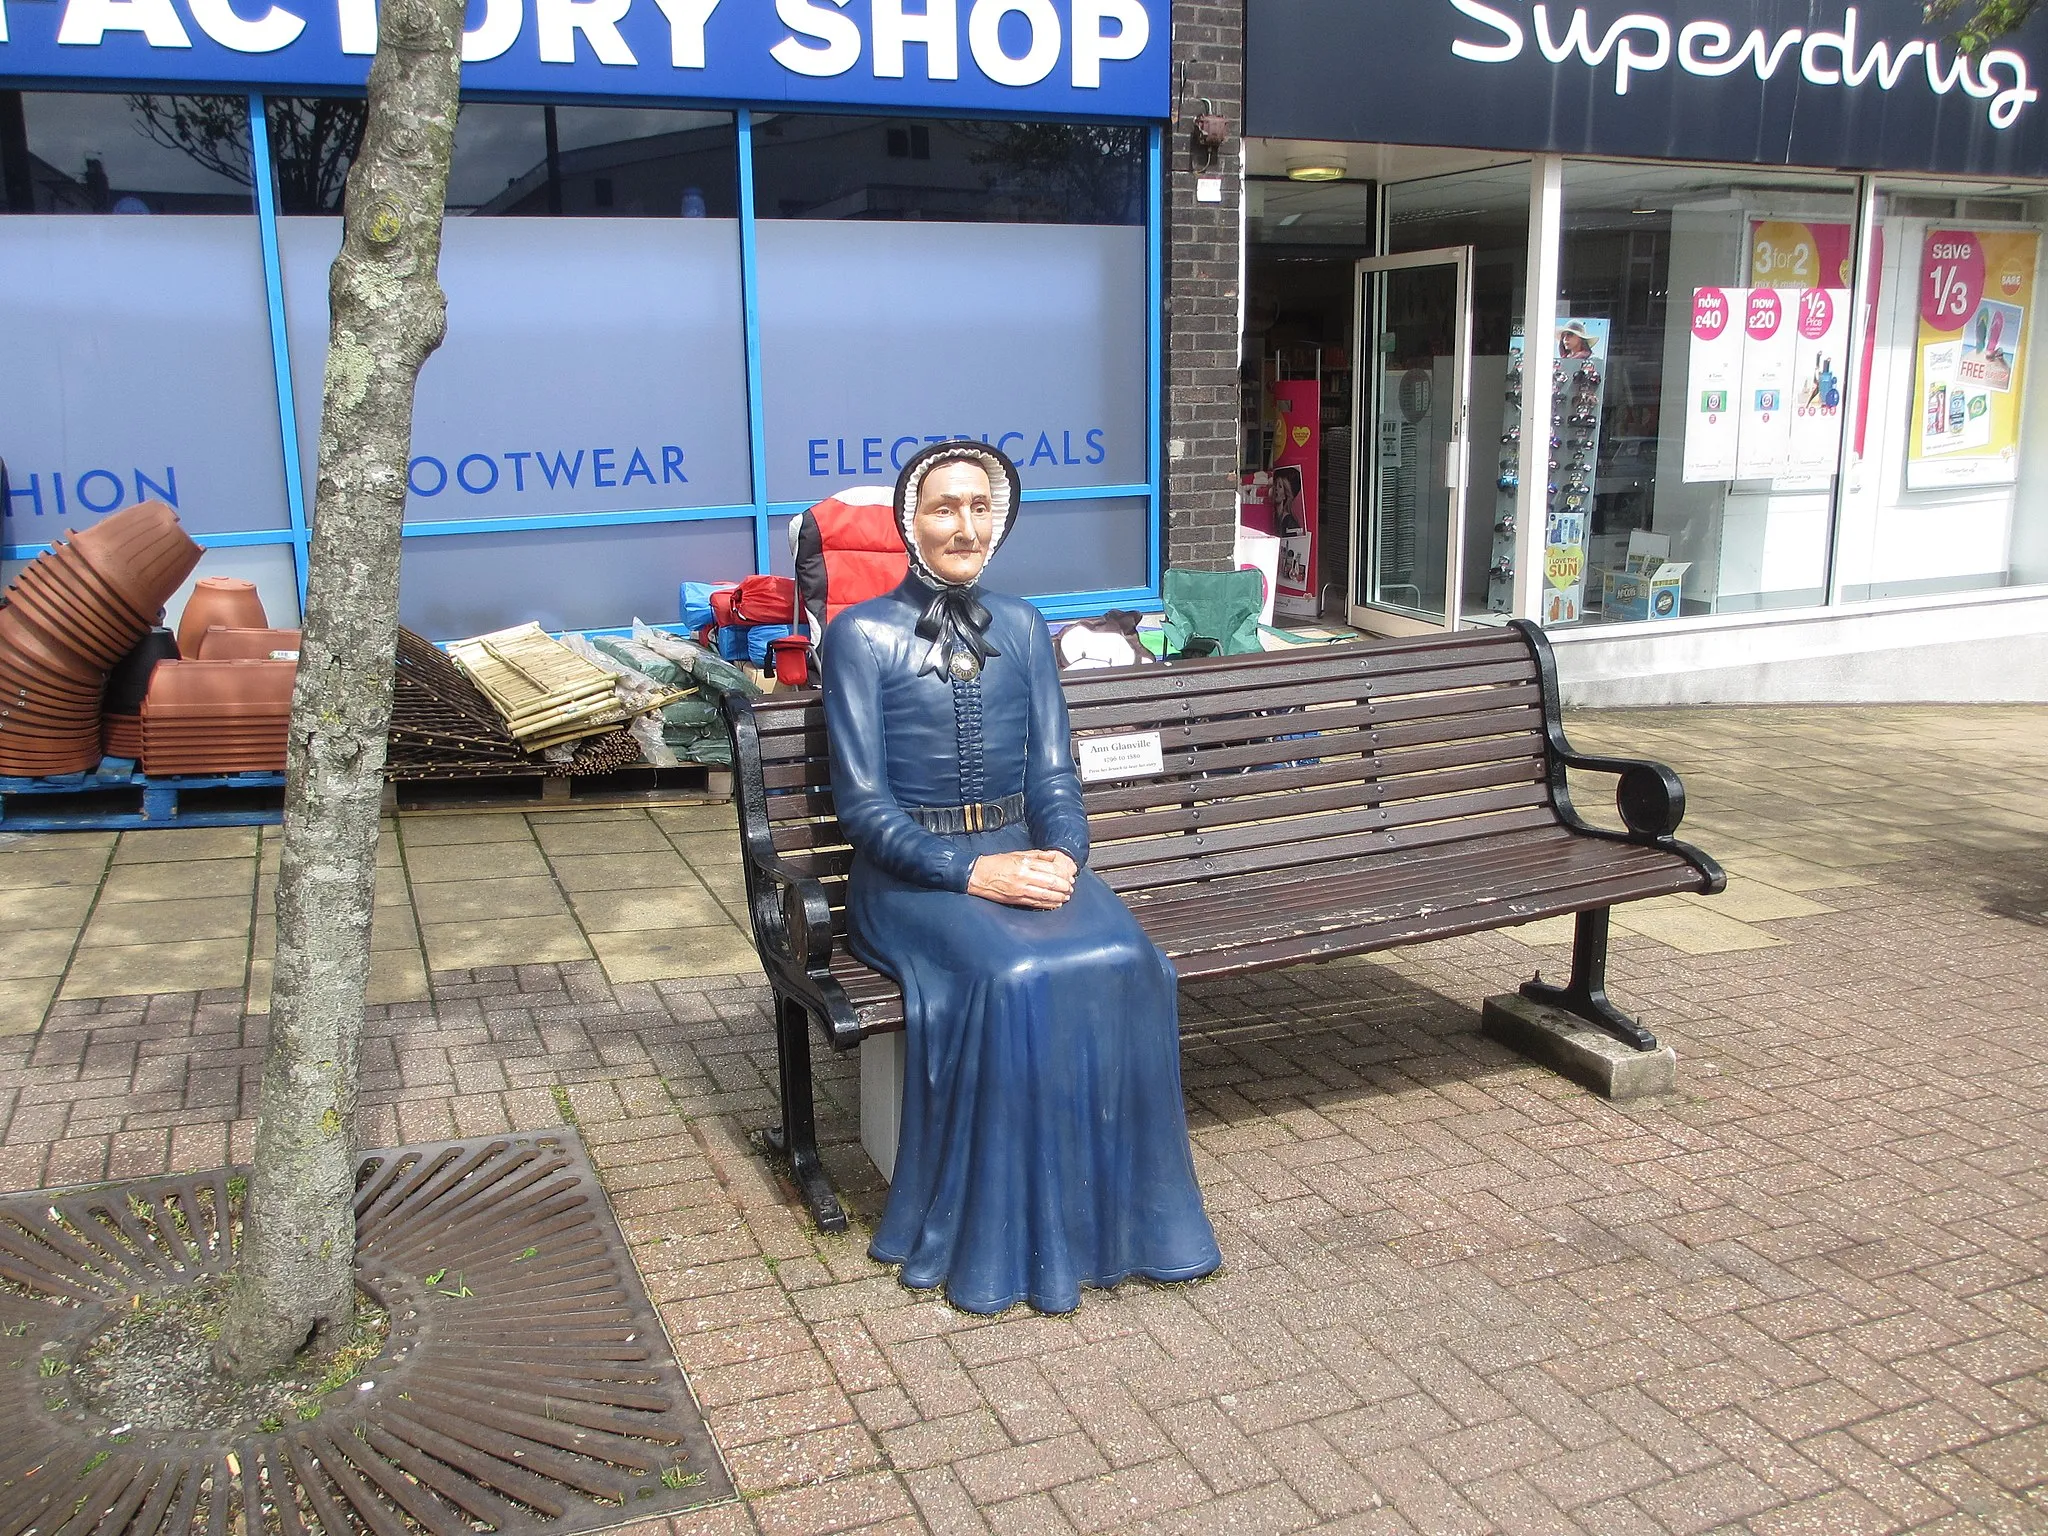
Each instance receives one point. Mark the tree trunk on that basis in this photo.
(295, 1278)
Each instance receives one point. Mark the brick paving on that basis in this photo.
(1806, 1293)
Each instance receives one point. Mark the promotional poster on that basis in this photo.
(1713, 375)
(1769, 334)
(1284, 501)
(1976, 301)
(1765, 383)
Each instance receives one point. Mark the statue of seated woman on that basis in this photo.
(1044, 1142)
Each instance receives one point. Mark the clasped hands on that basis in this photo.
(1038, 877)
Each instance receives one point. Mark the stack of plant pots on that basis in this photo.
(225, 705)
(127, 687)
(205, 717)
(70, 615)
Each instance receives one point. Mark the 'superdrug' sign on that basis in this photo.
(1089, 58)
(1797, 82)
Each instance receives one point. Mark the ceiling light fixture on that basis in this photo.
(1322, 168)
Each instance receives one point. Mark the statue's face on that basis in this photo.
(955, 521)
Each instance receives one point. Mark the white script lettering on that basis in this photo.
(1640, 44)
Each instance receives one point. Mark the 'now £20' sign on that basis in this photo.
(1086, 58)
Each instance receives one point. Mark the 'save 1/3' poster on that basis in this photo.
(1976, 291)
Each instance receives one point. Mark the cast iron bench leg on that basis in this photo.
(1586, 993)
(797, 1136)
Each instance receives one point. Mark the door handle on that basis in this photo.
(1454, 462)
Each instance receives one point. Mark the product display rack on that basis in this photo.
(1570, 460)
(1500, 572)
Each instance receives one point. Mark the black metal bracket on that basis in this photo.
(1585, 995)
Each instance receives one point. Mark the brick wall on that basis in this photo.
(1201, 292)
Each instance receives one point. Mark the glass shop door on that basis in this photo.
(1414, 364)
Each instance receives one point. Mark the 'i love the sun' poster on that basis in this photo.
(1976, 304)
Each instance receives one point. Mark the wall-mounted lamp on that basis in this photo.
(1210, 133)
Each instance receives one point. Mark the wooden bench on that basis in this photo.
(1315, 803)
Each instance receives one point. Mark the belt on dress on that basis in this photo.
(985, 816)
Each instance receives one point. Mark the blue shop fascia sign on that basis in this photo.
(1065, 58)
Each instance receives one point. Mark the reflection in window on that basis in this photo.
(1949, 488)
(534, 161)
(313, 142)
(1699, 448)
(818, 167)
(78, 152)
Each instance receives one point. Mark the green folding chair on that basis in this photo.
(1216, 613)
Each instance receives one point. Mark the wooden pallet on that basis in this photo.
(117, 797)
(684, 784)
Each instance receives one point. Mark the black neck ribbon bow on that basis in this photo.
(956, 623)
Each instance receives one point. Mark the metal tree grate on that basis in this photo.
(535, 1394)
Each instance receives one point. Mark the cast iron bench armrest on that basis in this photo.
(1649, 795)
(794, 933)
(792, 915)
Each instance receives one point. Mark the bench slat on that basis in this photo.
(1127, 714)
(1516, 891)
(1281, 668)
(1312, 836)
(1135, 810)
(1276, 815)
(1177, 918)
(1289, 861)
(1426, 924)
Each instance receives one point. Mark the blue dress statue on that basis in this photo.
(1043, 1144)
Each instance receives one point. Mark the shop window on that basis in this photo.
(591, 364)
(813, 166)
(1702, 374)
(972, 295)
(877, 338)
(523, 160)
(79, 152)
(564, 578)
(138, 349)
(1948, 483)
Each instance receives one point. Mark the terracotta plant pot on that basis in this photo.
(27, 762)
(226, 601)
(128, 683)
(65, 570)
(220, 689)
(142, 551)
(34, 650)
(219, 644)
(78, 570)
(83, 622)
(121, 736)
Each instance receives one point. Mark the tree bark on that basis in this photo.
(294, 1280)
